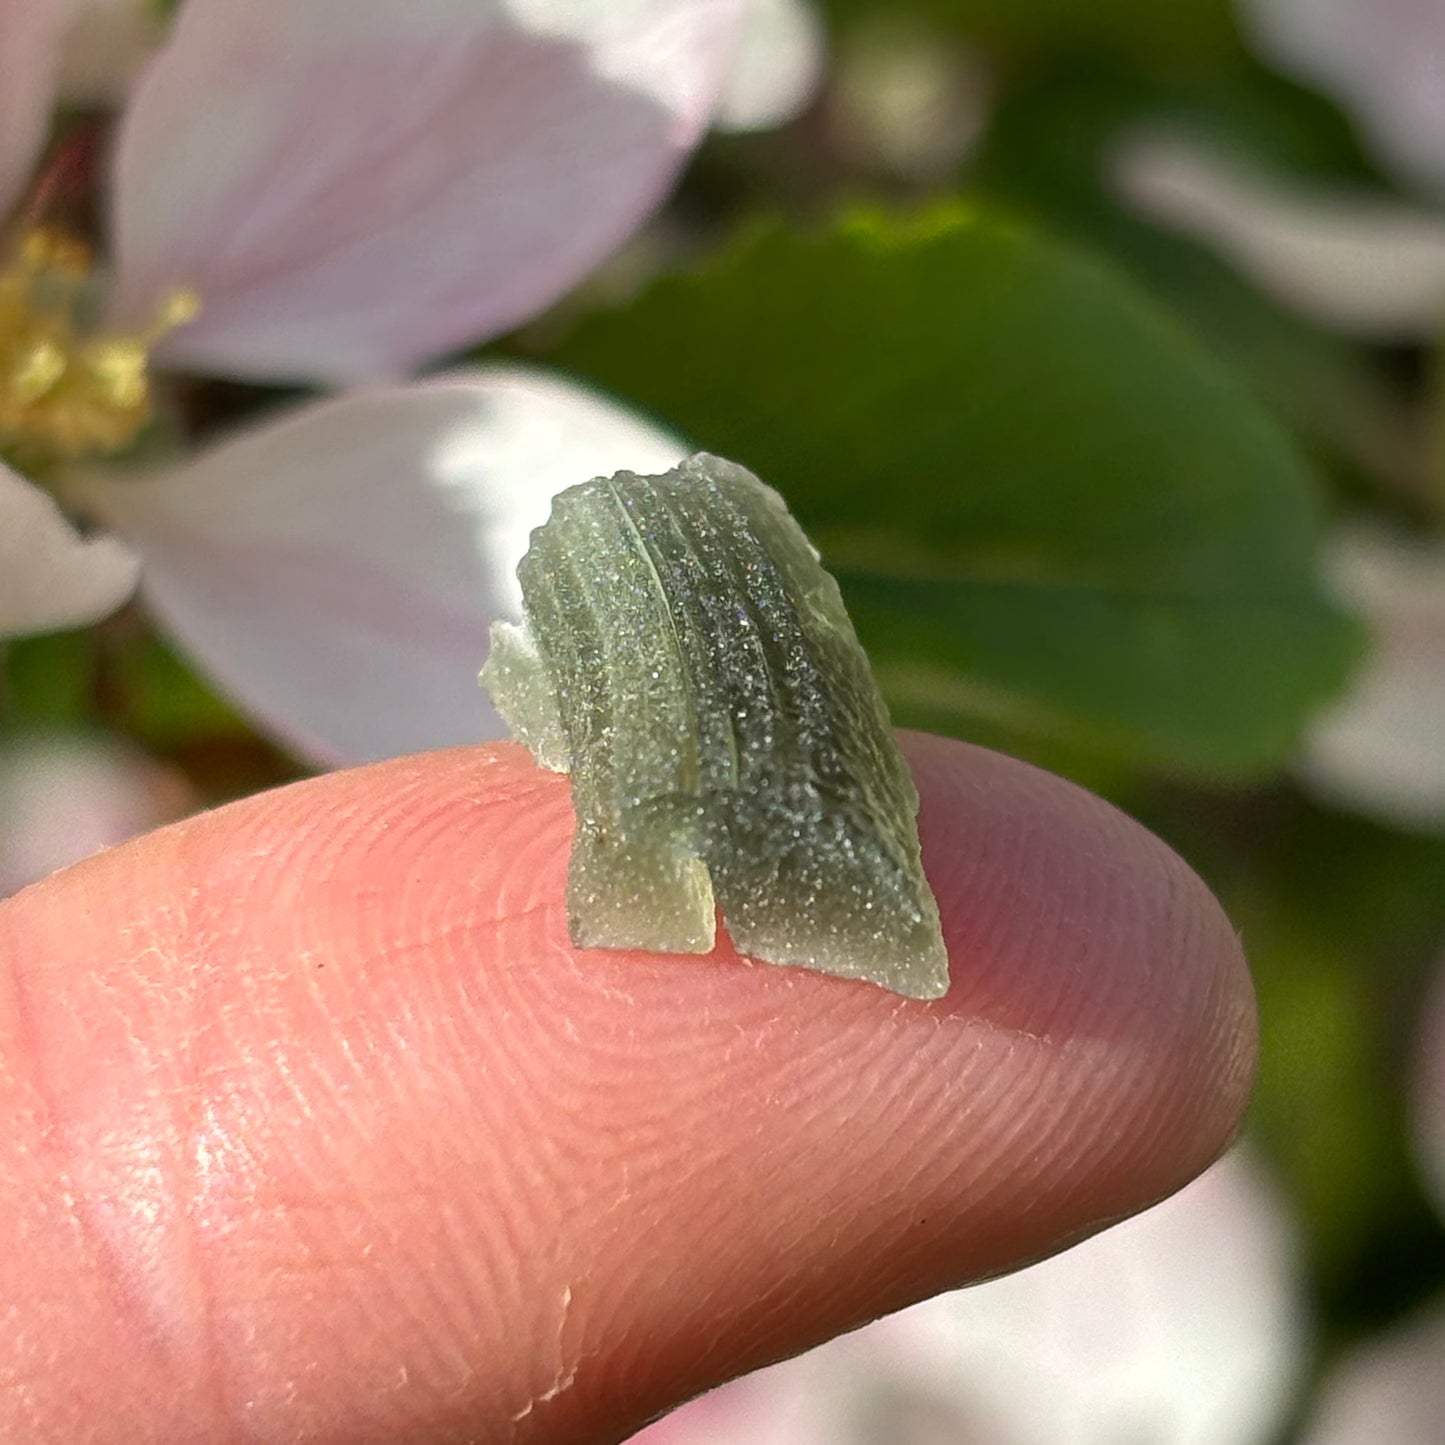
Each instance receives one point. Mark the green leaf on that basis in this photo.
(45, 680)
(1045, 507)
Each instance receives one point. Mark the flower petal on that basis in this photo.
(64, 796)
(337, 572)
(1373, 269)
(49, 576)
(354, 186)
(30, 32)
(1391, 1389)
(1382, 750)
(1383, 59)
(777, 68)
(1180, 1325)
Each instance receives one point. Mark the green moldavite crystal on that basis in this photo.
(686, 658)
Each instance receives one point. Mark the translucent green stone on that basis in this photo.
(687, 660)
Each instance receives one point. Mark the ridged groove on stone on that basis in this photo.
(687, 659)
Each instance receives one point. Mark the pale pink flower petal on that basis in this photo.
(1388, 1392)
(1383, 59)
(1181, 1326)
(1382, 749)
(777, 68)
(354, 186)
(337, 572)
(66, 796)
(50, 576)
(30, 32)
(1372, 268)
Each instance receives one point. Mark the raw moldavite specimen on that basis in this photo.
(686, 658)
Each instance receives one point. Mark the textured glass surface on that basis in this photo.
(686, 658)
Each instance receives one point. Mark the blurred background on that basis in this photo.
(1098, 345)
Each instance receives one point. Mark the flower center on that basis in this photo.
(68, 389)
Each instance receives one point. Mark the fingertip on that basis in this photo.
(1094, 932)
(458, 1171)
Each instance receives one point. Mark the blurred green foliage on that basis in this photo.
(1344, 920)
(1185, 33)
(122, 678)
(1045, 505)
(1056, 455)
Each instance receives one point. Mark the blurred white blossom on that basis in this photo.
(1389, 1390)
(1360, 262)
(778, 67)
(1383, 60)
(910, 100)
(1370, 267)
(332, 192)
(65, 796)
(1381, 750)
(1181, 1326)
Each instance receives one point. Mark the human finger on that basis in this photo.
(321, 1129)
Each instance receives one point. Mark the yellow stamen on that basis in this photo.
(67, 391)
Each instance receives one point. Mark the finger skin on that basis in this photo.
(320, 1129)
